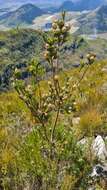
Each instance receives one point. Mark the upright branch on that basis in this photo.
(47, 106)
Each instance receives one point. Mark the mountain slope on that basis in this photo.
(94, 20)
(88, 5)
(23, 15)
(19, 46)
(81, 5)
(67, 6)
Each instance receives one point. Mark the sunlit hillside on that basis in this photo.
(53, 95)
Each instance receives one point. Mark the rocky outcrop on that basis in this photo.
(99, 149)
(76, 120)
(99, 171)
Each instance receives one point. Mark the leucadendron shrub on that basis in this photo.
(49, 156)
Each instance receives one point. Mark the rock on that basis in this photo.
(75, 120)
(99, 148)
(99, 171)
(104, 69)
(83, 141)
(91, 188)
(85, 144)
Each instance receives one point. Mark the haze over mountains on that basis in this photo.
(25, 15)
(94, 21)
(43, 3)
(79, 3)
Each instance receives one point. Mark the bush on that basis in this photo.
(48, 155)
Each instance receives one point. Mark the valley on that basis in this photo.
(29, 16)
(28, 43)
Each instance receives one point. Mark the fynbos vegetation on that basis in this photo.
(52, 116)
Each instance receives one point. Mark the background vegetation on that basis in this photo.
(39, 146)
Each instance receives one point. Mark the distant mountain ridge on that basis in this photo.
(96, 20)
(23, 15)
(81, 5)
(67, 6)
(89, 4)
(77, 4)
(87, 22)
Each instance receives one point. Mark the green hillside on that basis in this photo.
(22, 16)
(29, 44)
(19, 45)
(53, 116)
